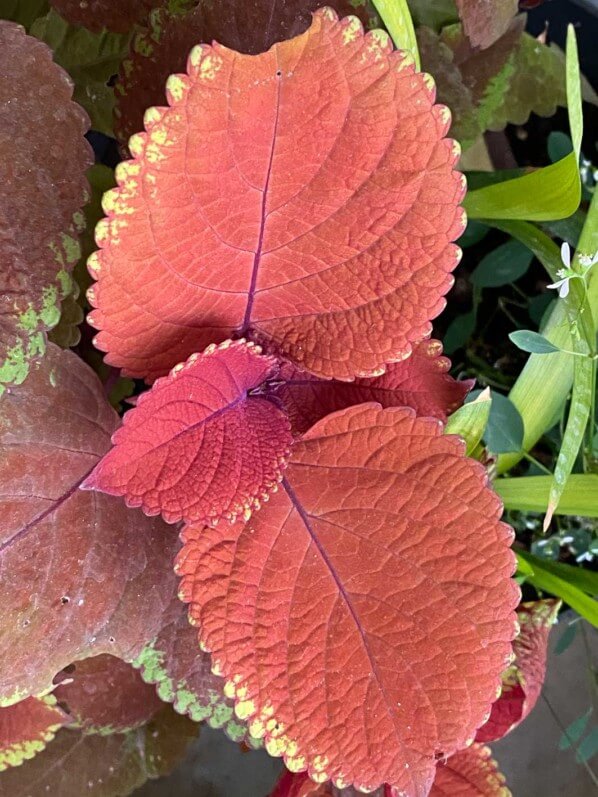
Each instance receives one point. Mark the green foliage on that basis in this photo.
(505, 264)
(91, 59)
(397, 19)
(504, 431)
(470, 420)
(532, 342)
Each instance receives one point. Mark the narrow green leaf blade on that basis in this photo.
(563, 581)
(574, 731)
(397, 18)
(470, 420)
(547, 194)
(574, 103)
(531, 493)
(532, 342)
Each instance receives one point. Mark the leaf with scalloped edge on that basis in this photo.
(43, 158)
(76, 764)
(104, 694)
(81, 573)
(380, 567)
(182, 674)
(537, 85)
(470, 773)
(299, 784)
(91, 59)
(485, 21)
(200, 445)
(304, 197)
(421, 382)
(27, 727)
(117, 16)
(248, 26)
(522, 681)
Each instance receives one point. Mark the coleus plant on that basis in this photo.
(270, 263)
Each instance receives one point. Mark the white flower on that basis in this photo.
(562, 286)
(587, 261)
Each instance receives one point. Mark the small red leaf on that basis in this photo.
(485, 21)
(421, 382)
(305, 197)
(470, 773)
(43, 159)
(182, 673)
(26, 728)
(118, 16)
(523, 680)
(198, 446)
(161, 49)
(81, 573)
(363, 617)
(102, 766)
(104, 694)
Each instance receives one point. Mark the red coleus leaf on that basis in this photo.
(81, 573)
(363, 617)
(43, 158)
(183, 676)
(421, 381)
(248, 26)
(304, 197)
(198, 446)
(118, 16)
(522, 681)
(104, 694)
(485, 21)
(300, 784)
(27, 727)
(96, 765)
(470, 773)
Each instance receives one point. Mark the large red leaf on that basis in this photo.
(248, 26)
(305, 197)
(364, 616)
(421, 381)
(27, 727)
(43, 158)
(75, 764)
(104, 694)
(485, 21)
(470, 773)
(199, 446)
(522, 681)
(183, 676)
(118, 16)
(81, 573)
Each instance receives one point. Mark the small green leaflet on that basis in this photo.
(470, 420)
(505, 264)
(574, 731)
(397, 18)
(532, 342)
(504, 431)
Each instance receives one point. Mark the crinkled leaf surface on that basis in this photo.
(76, 764)
(537, 84)
(305, 197)
(183, 676)
(81, 573)
(421, 382)
(198, 446)
(380, 568)
(27, 727)
(43, 158)
(470, 773)
(248, 26)
(104, 694)
(523, 680)
(117, 16)
(91, 59)
(485, 21)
